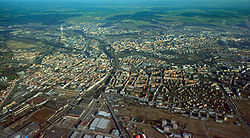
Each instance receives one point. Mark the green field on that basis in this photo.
(12, 44)
(54, 14)
(140, 22)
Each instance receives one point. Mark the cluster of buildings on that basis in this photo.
(19, 58)
(99, 29)
(179, 89)
(170, 127)
(236, 80)
(13, 111)
(66, 71)
(184, 43)
(26, 55)
(196, 91)
(5, 93)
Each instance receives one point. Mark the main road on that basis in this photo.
(233, 106)
(119, 126)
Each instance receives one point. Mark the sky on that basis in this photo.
(168, 3)
(131, 1)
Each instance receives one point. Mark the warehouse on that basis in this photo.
(102, 113)
(99, 123)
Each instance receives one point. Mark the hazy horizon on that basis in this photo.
(165, 3)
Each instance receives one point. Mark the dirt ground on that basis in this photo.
(39, 116)
(197, 127)
(243, 106)
(55, 132)
(150, 132)
(42, 115)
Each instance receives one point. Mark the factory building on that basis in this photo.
(99, 123)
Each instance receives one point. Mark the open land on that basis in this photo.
(243, 105)
(17, 45)
(198, 128)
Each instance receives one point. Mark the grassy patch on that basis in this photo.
(141, 22)
(12, 44)
(11, 77)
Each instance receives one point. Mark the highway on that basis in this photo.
(233, 106)
(119, 126)
(237, 112)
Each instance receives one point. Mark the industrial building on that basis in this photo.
(87, 136)
(103, 113)
(99, 123)
(75, 113)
